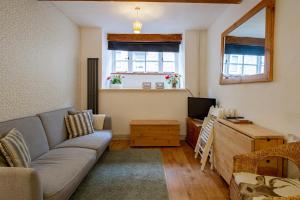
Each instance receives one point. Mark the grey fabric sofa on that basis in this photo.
(58, 164)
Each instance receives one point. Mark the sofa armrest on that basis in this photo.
(107, 123)
(20, 184)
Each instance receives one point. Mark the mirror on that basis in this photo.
(247, 47)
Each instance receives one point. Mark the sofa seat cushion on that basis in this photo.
(62, 170)
(98, 141)
(257, 187)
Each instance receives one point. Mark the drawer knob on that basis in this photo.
(268, 161)
(268, 140)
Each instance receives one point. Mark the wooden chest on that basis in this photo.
(154, 133)
(234, 139)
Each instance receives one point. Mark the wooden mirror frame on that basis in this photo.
(267, 76)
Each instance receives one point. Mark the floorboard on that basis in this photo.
(185, 180)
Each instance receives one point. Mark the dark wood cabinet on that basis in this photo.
(193, 127)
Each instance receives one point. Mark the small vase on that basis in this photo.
(174, 85)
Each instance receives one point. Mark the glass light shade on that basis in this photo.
(137, 27)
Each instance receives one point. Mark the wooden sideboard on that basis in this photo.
(193, 127)
(232, 139)
(154, 133)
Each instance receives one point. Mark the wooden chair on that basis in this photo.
(247, 164)
(205, 139)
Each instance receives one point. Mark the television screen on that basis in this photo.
(199, 107)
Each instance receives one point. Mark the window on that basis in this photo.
(121, 61)
(145, 62)
(243, 64)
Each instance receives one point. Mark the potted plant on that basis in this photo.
(173, 79)
(115, 81)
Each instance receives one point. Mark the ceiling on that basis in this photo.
(255, 27)
(117, 17)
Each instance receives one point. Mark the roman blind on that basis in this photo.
(244, 49)
(144, 42)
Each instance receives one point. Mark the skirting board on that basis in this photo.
(127, 137)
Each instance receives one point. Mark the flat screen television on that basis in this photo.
(199, 107)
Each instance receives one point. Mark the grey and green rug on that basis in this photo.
(132, 174)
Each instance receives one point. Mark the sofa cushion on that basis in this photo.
(15, 150)
(257, 187)
(98, 141)
(62, 170)
(75, 112)
(98, 121)
(3, 162)
(79, 124)
(107, 123)
(54, 125)
(32, 131)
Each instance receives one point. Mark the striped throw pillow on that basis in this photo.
(79, 124)
(15, 150)
(3, 162)
(90, 112)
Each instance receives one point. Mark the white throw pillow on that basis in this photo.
(98, 121)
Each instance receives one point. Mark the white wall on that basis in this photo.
(91, 47)
(203, 63)
(192, 61)
(126, 105)
(38, 59)
(195, 60)
(274, 105)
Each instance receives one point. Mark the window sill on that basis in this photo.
(144, 90)
(142, 73)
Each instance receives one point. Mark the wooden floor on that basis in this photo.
(185, 181)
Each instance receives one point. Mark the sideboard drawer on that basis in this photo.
(270, 166)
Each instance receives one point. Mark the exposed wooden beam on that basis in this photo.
(164, 1)
(245, 41)
(144, 37)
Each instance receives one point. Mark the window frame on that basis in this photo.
(227, 62)
(130, 63)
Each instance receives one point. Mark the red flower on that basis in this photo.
(108, 78)
(167, 77)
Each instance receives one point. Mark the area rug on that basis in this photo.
(130, 174)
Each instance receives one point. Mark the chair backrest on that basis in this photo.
(216, 112)
(207, 130)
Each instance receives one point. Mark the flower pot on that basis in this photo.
(174, 85)
(116, 86)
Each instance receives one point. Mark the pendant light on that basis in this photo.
(137, 25)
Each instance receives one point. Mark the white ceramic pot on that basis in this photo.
(116, 86)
